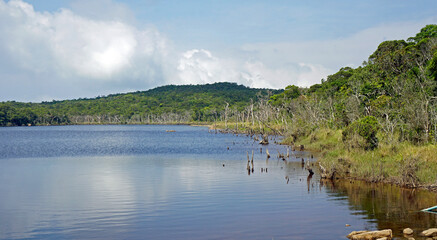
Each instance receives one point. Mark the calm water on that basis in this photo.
(141, 182)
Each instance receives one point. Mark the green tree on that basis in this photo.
(429, 31)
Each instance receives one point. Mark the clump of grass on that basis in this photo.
(425, 157)
(322, 139)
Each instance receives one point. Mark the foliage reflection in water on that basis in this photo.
(388, 206)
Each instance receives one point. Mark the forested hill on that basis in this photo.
(166, 104)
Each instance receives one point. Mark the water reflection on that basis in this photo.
(389, 207)
(381, 206)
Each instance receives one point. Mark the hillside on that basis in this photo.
(164, 104)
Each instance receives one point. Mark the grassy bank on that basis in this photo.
(403, 163)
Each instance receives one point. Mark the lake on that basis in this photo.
(143, 182)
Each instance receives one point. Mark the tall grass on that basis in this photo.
(401, 163)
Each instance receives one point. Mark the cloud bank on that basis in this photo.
(81, 53)
(60, 49)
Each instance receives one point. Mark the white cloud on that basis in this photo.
(199, 66)
(91, 48)
(77, 45)
(71, 48)
(302, 74)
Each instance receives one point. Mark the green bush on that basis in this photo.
(362, 133)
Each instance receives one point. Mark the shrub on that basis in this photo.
(362, 133)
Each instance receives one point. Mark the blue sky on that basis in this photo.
(232, 23)
(58, 49)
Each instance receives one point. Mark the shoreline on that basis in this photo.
(97, 124)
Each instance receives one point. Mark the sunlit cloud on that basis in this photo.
(72, 48)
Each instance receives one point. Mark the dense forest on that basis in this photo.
(167, 104)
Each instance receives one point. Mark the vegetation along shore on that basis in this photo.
(376, 122)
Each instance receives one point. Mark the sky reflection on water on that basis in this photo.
(136, 192)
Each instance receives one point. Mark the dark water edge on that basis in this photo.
(141, 182)
(387, 205)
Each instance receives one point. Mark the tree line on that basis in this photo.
(167, 104)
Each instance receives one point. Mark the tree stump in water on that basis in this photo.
(265, 140)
